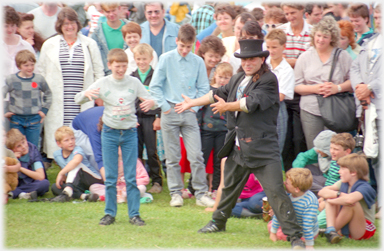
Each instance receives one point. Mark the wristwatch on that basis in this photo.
(338, 88)
(369, 87)
(338, 194)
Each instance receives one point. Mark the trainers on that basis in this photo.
(176, 200)
(107, 220)
(333, 237)
(297, 243)
(156, 188)
(211, 227)
(33, 195)
(136, 220)
(205, 201)
(63, 197)
(24, 195)
(92, 197)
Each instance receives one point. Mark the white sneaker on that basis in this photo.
(176, 201)
(24, 195)
(205, 201)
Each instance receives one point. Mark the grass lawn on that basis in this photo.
(69, 225)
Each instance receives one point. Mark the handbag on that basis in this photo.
(338, 111)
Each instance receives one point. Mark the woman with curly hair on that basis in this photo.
(347, 39)
(27, 32)
(211, 50)
(312, 71)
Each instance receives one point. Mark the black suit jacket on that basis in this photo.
(256, 130)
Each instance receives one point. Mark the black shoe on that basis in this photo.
(33, 195)
(136, 220)
(63, 197)
(211, 227)
(92, 197)
(107, 220)
(333, 237)
(297, 243)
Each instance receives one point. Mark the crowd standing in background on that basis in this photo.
(236, 94)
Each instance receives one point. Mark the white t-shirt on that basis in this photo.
(286, 77)
(43, 24)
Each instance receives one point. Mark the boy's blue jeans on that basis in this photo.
(111, 139)
(28, 125)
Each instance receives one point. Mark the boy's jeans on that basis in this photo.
(28, 125)
(172, 124)
(111, 139)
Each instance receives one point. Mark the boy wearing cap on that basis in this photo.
(251, 99)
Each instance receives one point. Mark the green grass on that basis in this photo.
(69, 225)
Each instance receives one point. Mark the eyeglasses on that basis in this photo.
(73, 23)
(273, 26)
(150, 12)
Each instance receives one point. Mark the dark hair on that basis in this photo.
(239, 9)
(37, 38)
(359, 10)
(258, 13)
(309, 7)
(211, 43)
(187, 33)
(69, 14)
(245, 16)
(225, 8)
(11, 16)
(253, 28)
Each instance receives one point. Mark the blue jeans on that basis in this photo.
(172, 124)
(28, 125)
(111, 139)
(253, 204)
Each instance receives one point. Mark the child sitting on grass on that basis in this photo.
(119, 93)
(344, 214)
(76, 174)
(297, 183)
(33, 180)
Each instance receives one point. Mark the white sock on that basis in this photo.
(24, 195)
(69, 191)
(83, 196)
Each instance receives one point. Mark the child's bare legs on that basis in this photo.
(219, 189)
(210, 178)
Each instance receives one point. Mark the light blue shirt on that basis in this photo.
(175, 75)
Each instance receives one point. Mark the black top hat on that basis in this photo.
(250, 48)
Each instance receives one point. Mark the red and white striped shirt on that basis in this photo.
(296, 45)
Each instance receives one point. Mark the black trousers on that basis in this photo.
(146, 135)
(82, 182)
(271, 178)
(295, 139)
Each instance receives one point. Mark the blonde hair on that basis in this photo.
(277, 34)
(300, 178)
(355, 163)
(117, 55)
(345, 140)
(109, 6)
(223, 68)
(142, 49)
(23, 57)
(62, 131)
(13, 137)
(328, 26)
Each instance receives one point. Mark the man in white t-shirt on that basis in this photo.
(45, 19)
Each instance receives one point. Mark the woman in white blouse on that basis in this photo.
(312, 71)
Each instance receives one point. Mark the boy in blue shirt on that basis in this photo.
(181, 72)
(77, 174)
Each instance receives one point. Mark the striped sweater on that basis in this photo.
(306, 213)
(332, 174)
(296, 45)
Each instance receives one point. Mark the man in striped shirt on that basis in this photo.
(297, 183)
(298, 41)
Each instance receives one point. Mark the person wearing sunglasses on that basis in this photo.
(273, 18)
(157, 31)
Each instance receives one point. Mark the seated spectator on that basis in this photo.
(33, 179)
(347, 39)
(76, 174)
(132, 35)
(350, 201)
(297, 184)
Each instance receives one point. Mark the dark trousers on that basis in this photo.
(295, 139)
(211, 140)
(40, 186)
(271, 178)
(147, 136)
(82, 182)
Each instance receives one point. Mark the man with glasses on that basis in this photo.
(157, 31)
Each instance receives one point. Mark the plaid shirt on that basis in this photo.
(25, 94)
(296, 45)
(202, 18)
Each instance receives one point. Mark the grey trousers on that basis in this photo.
(271, 178)
(312, 126)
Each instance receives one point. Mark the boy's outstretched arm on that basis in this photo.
(69, 167)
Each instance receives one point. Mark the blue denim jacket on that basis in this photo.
(169, 38)
(98, 36)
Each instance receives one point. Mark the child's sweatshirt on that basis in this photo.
(119, 100)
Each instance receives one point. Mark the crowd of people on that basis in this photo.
(119, 94)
